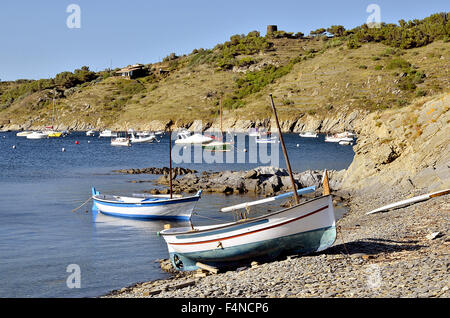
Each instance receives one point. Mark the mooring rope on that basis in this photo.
(82, 204)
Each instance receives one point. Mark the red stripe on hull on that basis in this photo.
(255, 231)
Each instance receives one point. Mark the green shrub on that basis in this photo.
(398, 63)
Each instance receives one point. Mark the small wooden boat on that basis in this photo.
(303, 228)
(410, 201)
(146, 207)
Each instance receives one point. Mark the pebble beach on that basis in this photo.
(400, 253)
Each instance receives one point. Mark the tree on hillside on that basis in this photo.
(318, 32)
(336, 30)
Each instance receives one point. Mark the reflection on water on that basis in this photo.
(40, 235)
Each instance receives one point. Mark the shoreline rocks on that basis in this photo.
(152, 170)
(383, 255)
(266, 181)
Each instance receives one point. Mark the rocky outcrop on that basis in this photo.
(266, 181)
(407, 148)
(177, 171)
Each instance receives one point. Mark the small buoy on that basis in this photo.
(298, 145)
(76, 142)
(14, 147)
(89, 141)
(245, 150)
(63, 150)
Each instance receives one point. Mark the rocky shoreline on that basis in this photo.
(382, 255)
(266, 181)
(400, 153)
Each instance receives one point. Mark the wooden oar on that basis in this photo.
(281, 196)
(410, 201)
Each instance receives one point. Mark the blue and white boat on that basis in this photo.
(146, 207)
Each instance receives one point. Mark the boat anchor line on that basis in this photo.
(252, 232)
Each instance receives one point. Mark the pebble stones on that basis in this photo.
(387, 255)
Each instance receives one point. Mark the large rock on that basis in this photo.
(408, 148)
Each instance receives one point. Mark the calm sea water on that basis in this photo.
(40, 185)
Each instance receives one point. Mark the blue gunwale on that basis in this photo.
(146, 203)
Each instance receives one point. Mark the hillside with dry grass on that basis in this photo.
(315, 77)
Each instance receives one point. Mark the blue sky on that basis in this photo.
(35, 41)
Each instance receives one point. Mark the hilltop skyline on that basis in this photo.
(38, 43)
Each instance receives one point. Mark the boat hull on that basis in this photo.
(306, 228)
(175, 209)
(37, 135)
(217, 146)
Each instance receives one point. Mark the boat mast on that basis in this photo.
(170, 161)
(294, 188)
(53, 113)
(221, 130)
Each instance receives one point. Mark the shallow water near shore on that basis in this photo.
(40, 184)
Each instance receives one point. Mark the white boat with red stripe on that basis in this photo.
(304, 228)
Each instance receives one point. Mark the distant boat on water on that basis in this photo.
(187, 137)
(345, 138)
(308, 134)
(107, 134)
(142, 139)
(266, 140)
(23, 133)
(37, 135)
(121, 141)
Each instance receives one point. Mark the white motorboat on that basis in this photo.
(37, 135)
(338, 138)
(108, 134)
(121, 141)
(142, 139)
(308, 134)
(187, 137)
(90, 133)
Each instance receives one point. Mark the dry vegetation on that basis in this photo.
(317, 75)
